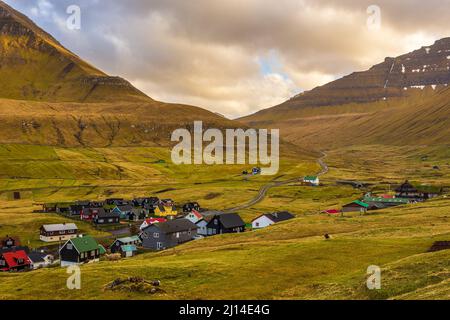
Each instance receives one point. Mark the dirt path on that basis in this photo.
(263, 191)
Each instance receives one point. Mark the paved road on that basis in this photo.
(263, 191)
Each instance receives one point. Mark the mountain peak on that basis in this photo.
(35, 66)
(395, 77)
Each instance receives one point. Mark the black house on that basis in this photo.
(418, 193)
(9, 242)
(79, 250)
(225, 223)
(160, 236)
(104, 218)
(188, 207)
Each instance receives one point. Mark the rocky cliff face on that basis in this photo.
(35, 66)
(393, 78)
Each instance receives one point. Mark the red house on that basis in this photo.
(90, 214)
(14, 261)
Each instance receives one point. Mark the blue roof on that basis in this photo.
(128, 248)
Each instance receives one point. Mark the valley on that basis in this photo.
(70, 132)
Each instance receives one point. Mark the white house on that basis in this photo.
(194, 216)
(269, 219)
(58, 232)
(202, 229)
(40, 260)
(311, 180)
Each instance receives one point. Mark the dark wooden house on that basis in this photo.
(9, 242)
(225, 223)
(105, 218)
(417, 193)
(190, 206)
(168, 234)
(79, 250)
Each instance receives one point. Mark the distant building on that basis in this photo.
(116, 246)
(194, 216)
(106, 218)
(161, 236)
(190, 206)
(165, 208)
(124, 211)
(9, 242)
(89, 214)
(225, 223)
(311, 181)
(58, 232)
(40, 259)
(356, 206)
(269, 219)
(417, 193)
(151, 221)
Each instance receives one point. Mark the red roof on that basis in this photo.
(387, 196)
(332, 211)
(12, 259)
(155, 220)
(197, 214)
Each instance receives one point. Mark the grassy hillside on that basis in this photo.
(421, 119)
(288, 261)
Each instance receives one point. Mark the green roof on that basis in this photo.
(85, 244)
(129, 239)
(362, 204)
(386, 200)
(310, 178)
(101, 249)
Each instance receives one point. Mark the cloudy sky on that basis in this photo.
(236, 57)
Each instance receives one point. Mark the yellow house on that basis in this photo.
(165, 211)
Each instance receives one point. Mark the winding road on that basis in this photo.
(263, 191)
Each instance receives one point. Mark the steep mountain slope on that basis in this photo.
(402, 100)
(394, 78)
(421, 119)
(34, 66)
(50, 96)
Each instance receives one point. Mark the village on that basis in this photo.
(151, 224)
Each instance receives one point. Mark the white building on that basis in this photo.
(269, 219)
(58, 232)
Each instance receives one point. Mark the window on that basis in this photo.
(69, 246)
(93, 252)
(101, 221)
(2, 263)
(216, 222)
(111, 220)
(257, 224)
(178, 235)
(156, 235)
(159, 245)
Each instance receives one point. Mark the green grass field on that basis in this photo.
(291, 260)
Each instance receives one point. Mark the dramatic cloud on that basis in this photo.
(236, 57)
